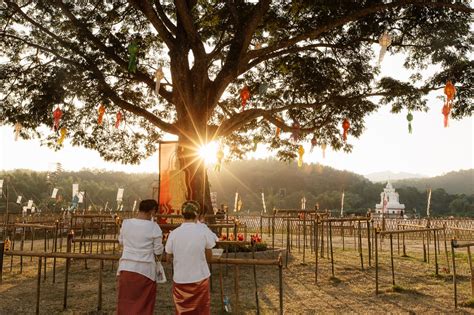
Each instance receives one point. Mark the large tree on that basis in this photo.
(306, 63)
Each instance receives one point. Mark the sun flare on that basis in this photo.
(208, 152)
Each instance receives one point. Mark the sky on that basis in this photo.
(385, 145)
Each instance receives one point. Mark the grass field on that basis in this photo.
(351, 290)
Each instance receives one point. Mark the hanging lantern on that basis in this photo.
(220, 157)
(295, 134)
(450, 91)
(446, 110)
(118, 119)
(314, 142)
(262, 88)
(345, 125)
(63, 133)
(244, 96)
(300, 155)
(278, 129)
(323, 148)
(18, 128)
(57, 114)
(255, 144)
(385, 40)
(409, 118)
(101, 114)
(132, 58)
(159, 75)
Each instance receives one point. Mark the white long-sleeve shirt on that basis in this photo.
(141, 240)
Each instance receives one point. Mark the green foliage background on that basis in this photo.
(283, 184)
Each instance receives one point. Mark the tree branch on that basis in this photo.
(147, 9)
(159, 8)
(184, 14)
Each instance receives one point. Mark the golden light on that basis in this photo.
(208, 152)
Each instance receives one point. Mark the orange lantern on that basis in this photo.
(118, 119)
(450, 91)
(101, 114)
(244, 95)
(57, 114)
(345, 125)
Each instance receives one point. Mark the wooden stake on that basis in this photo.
(454, 275)
(316, 241)
(330, 242)
(391, 259)
(38, 286)
(435, 242)
(472, 270)
(446, 248)
(360, 247)
(376, 263)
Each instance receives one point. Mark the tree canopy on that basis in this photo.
(308, 66)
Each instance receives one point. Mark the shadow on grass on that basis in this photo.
(400, 289)
(468, 303)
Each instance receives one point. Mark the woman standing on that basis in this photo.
(141, 239)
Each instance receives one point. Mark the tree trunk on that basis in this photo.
(197, 184)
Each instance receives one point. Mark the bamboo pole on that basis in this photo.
(332, 256)
(454, 274)
(316, 253)
(469, 258)
(391, 259)
(38, 286)
(280, 281)
(435, 242)
(369, 249)
(446, 248)
(70, 236)
(376, 263)
(360, 248)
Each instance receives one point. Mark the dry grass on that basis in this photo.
(351, 290)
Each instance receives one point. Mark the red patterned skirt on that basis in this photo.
(192, 298)
(136, 294)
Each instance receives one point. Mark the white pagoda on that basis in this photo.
(389, 203)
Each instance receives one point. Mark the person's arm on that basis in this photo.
(169, 248)
(208, 255)
(158, 242)
(120, 237)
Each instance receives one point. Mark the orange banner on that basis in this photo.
(172, 180)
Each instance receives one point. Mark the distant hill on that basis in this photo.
(460, 182)
(384, 176)
(284, 184)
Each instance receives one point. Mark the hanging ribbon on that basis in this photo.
(101, 114)
(278, 129)
(314, 142)
(255, 144)
(220, 157)
(323, 148)
(118, 119)
(18, 128)
(132, 58)
(63, 133)
(446, 110)
(159, 75)
(300, 156)
(57, 114)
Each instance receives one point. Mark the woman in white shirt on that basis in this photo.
(141, 239)
(189, 246)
